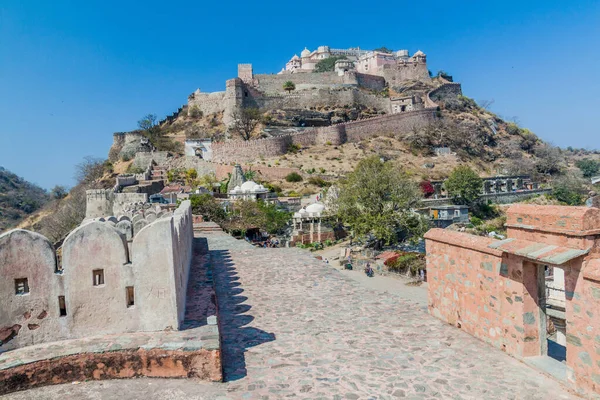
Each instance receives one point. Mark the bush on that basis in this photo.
(293, 177)
(569, 189)
(427, 188)
(588, 167)
(409, 263)
(317, 181)
(195, 112)
(293, 148)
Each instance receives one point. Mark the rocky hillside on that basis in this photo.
(18, 199)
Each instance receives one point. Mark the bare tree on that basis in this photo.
(245, 121)
(89, 170)
(486, 104)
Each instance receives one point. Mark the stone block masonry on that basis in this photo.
(397, 124)
(492, 289)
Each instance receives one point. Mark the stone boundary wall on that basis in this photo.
(513, 197)
(244, 151)
(156, 268)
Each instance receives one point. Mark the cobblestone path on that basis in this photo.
(294, 327)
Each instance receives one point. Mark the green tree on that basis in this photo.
(59, 192)
(327, 64)
(190, 176)
(207, 206)
(379, 198)
(384, 49)
(588, 167)
(569, 189)
(289, 86)
(464, 185)
(245, 121)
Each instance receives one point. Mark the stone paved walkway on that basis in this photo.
(294, 327)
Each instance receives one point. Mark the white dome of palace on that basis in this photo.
(315, 208)
(249, 187)
(305, 52)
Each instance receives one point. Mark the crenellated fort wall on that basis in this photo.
(105, 282)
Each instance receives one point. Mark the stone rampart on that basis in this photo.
(444, 92)
(100, 287)
(398, 124)
(395, 74)
(271, 84)
(372, 82)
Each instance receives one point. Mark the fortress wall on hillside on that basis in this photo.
(445, 91)
(274, 83)
(372, 82)
(397, 124)
(395, 74)
(252, 150)
(208, 103)
(345, 97)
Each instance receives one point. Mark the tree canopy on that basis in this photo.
(588, 167)
(289, 86)
(245, 121)
(378, 198)
(327, 64)
(384, 49)
(464, 185)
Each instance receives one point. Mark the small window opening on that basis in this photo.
(21, 286)
(62, 306)
(245, 94)
(130, 296)
(98, 277)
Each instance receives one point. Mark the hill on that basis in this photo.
(18, 199)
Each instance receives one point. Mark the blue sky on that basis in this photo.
(73, 72)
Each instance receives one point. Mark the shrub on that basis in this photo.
(293, 193)
(588, 167)
(293, 177)
(195, 112)
(317, 181)
(409, 263)
(427, 188)
(293, 148)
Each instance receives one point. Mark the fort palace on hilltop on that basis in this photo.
(364, 61)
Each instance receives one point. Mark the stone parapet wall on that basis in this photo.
(156, 269)
(395, 74)
(496, 290)
(462, 271)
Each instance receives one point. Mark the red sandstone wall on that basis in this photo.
(582, 290)
(480, 291)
